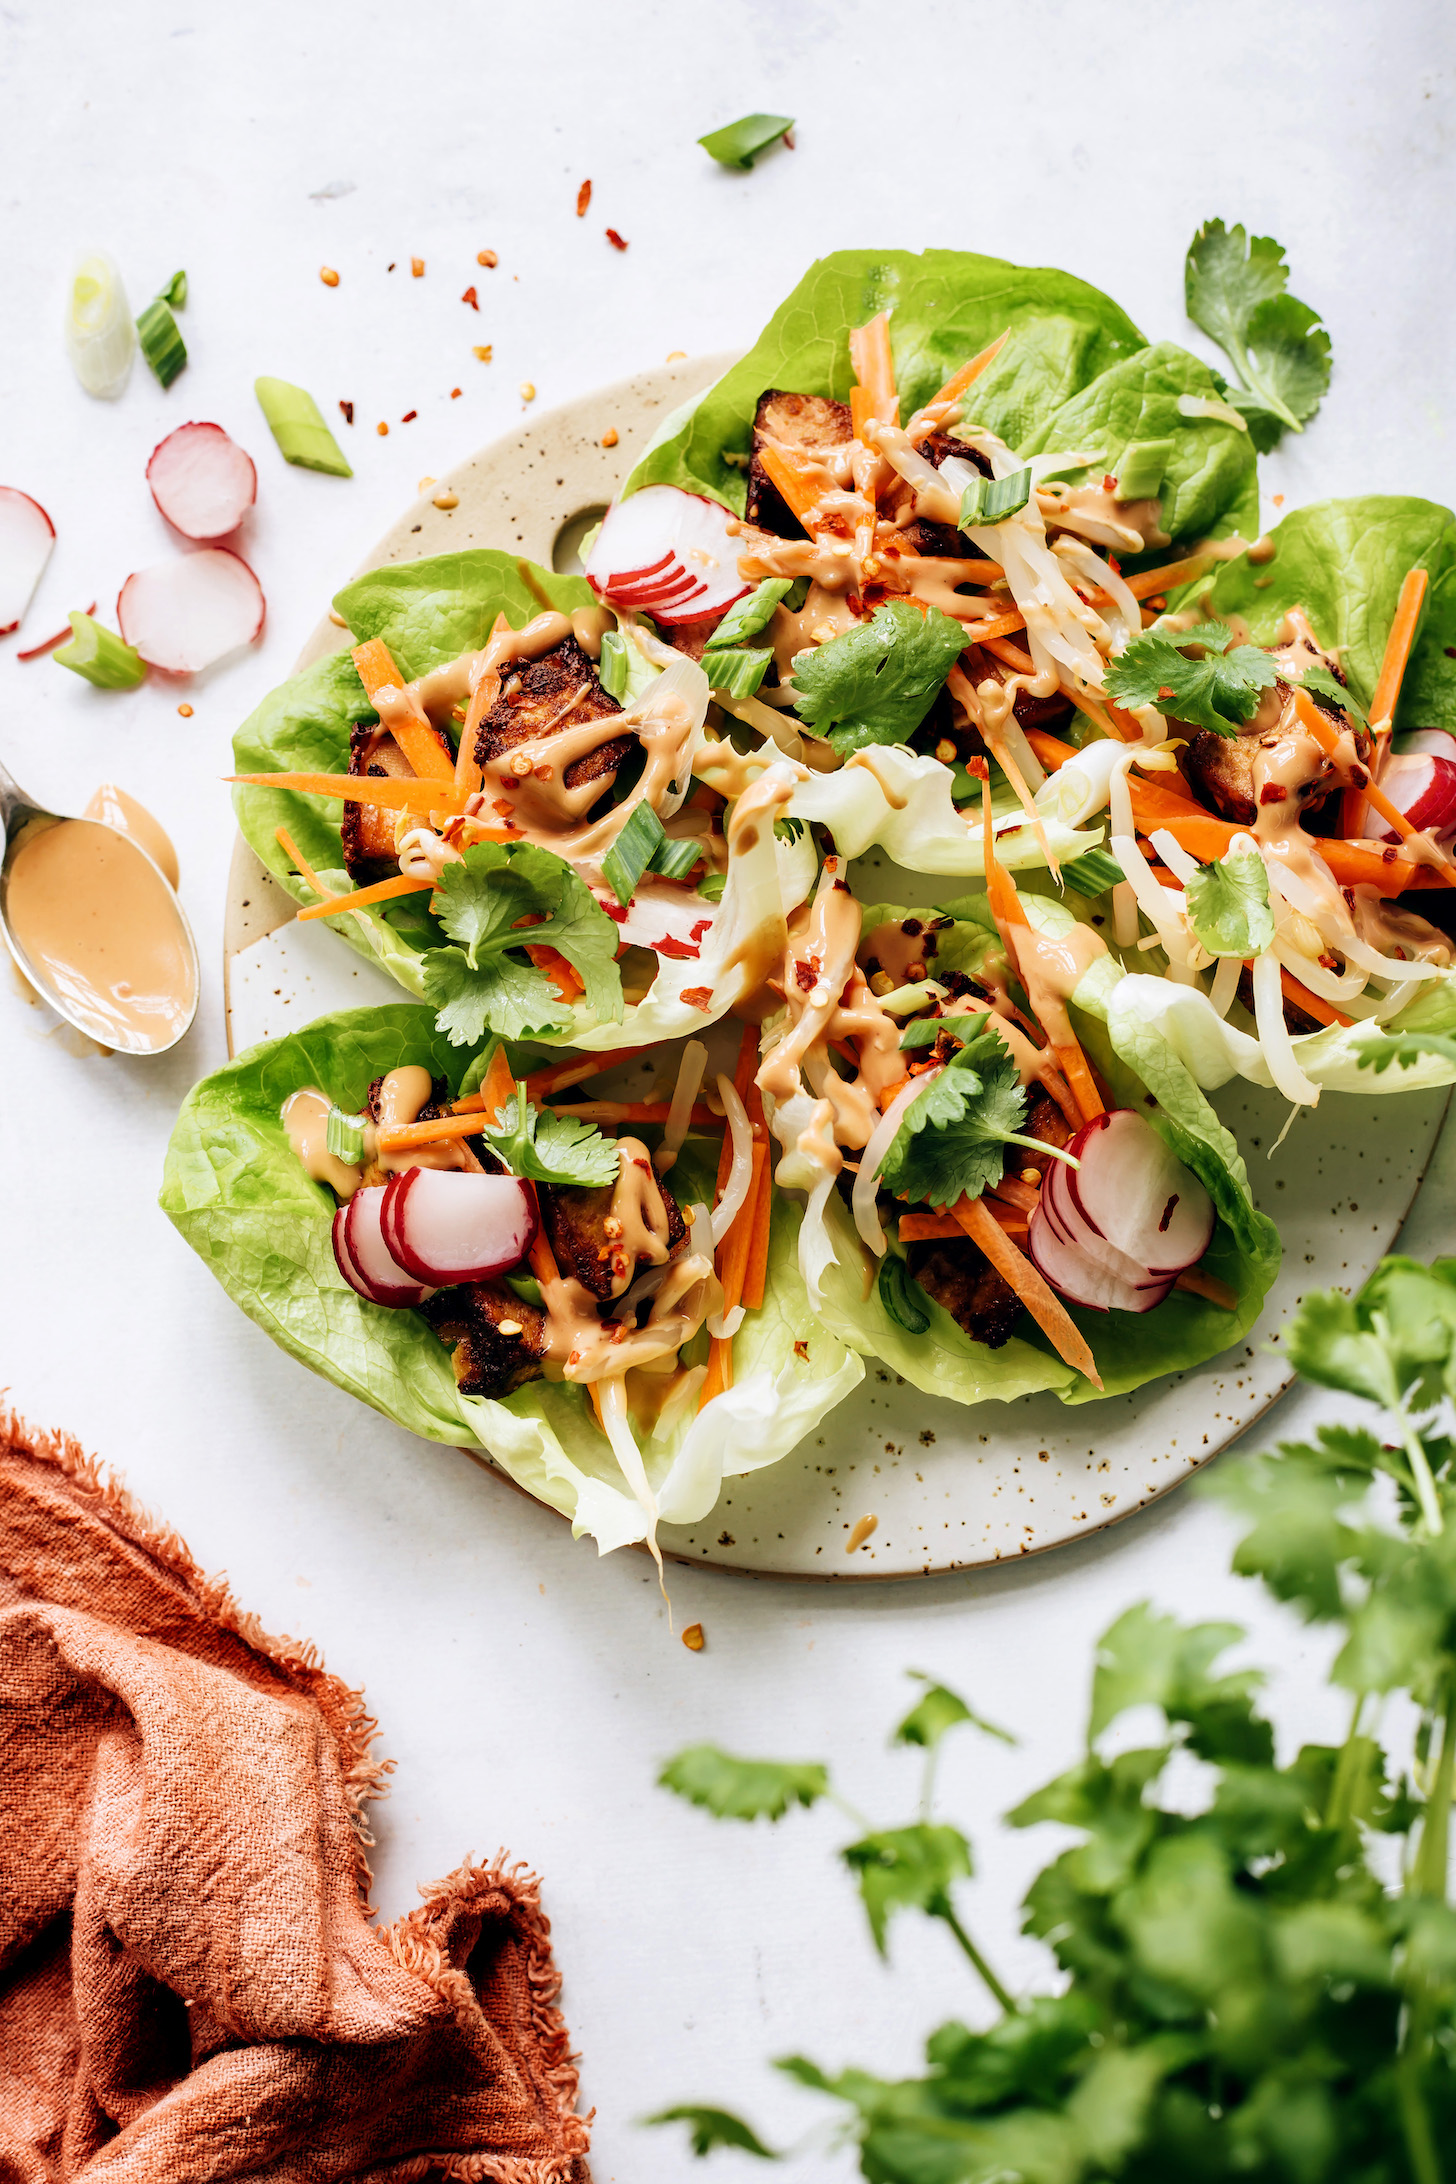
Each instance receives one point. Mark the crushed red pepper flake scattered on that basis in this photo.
(417, 268)
(390, 267)
(692, 1637)
(455, 394)
(328, 276)
(609, 437)
(471, 298)
(185, 711)
(486, 257)
(382, 429)
(348, 411)
(409, 417)
(618, 242)
(483, 352)
(583, 199)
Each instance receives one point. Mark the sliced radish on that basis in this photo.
(363, 1257)
(1133, 1190)
(1421, 785)
(1073, 1227)
(1438, 742)
(666, 551)
(26, 538)
(446, 1226)
(1078, 1277)
(202, 481)
(184, 614)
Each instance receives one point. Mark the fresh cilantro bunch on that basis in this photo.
(877, 682)
(488, 982)
(949, 1144)
(1219, 691)
(543, 1146)
(1258, 1983)
(1236, 288)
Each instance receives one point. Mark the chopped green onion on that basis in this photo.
(526, 1287)
(344, 1134)
(711, 889)
(737, 674)
(923, 1031)
(175, 291)
(302, 436)
(612, 667)
(1142, 469)
(797, 594)
(740, 142)
(675, 859)
(788, 830)
(101, 656)
(1093, 873)
(751, 614)
(992, 500)
(161, 340)
(901, 1296)
(100, 336)
(633, 851)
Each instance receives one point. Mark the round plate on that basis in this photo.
(949, 1488)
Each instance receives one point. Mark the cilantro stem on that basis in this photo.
(1421, 1478)
(1433, 1858)
(1039, 1145)
(1337, 1814)
(987, 1975)
(851, 1812)
(1415, 2122)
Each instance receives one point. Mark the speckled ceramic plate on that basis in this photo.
(949, 1488)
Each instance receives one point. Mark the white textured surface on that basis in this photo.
(526, 1690)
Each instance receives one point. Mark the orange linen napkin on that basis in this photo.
(190, 1985)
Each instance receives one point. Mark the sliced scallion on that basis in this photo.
(612, 667)
(526, 1287)
(992, 500)
(294, 421)
(344, 1135)
(751, 614)
(175, 291)
(740, 142)
(736, 673)
(902, 1297)
(675, 859)
(1093, 872)
(100, 336)
(923, 1031)
(711, 889)
(161, 340)
(633, 851)
(100, 655)
(1142, 468)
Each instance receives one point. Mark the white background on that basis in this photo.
(527, 1691)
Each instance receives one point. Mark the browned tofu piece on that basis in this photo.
(942, 541)
(368, 829)
(809, 421)
(957, 1274)
(471, 1321)
(1045, 1122)
(536, 695)
(575, 1219)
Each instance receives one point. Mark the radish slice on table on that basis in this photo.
(446, 1226)
(1133, 1190)
(667, 551)
(26, 538)
(1078, 1278)
(1420, 784)
(363, 1257)
(183, 615)
(202, 481)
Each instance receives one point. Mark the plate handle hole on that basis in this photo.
(566, 551)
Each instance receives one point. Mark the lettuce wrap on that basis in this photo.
(237, 1193)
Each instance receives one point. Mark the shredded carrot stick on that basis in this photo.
(756, 1279)
(362, 897)
(305, 869)
(1351, 864)
(1209, 1287)
(1313, 1004)
(1153, 805)
(403, 1136)
(799, 484)
(1326, 735)
(569, 983)
(958, 382)
(1018, 1273)
(546, 1081)
(541, 1259)
(416, 738)
(861, 409)
(1149, 582)
(393, 792)
(869, 351)
(924, 1228)
(498, 1084)
(986, 633)
(1398, 648)
(636, 1111)
(1049, 749)
(1008, 913)
(732, 1271)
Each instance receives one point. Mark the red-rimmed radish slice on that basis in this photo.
(444, 1225)
(1421, 785)
(48, 644)
(1435, 742)
(1079, 1278)
(667, 552)
(202, 482)
(1073, 1227)
(26, 538)
(1133, 1190)
(184, 614)
(365, 1260)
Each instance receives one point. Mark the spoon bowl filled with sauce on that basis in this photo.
(89, 912)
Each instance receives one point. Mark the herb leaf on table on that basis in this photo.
(1236, 289)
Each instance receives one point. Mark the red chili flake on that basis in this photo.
(409, 416)
(1387, 856)
(583, 199)
(698, 997)
(1358, 776)
(1166, 691)
(677, 949)
(621, 911)
(806, 975)
(504, 806)
(348, 410)
(617, 242)
(978, 768)
(854, 603)
(700, 928)
(1108, 481)
(471, 298)
(454, 394)
(1273, 792)
(1114, 564)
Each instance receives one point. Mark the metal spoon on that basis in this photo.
(90, 1007)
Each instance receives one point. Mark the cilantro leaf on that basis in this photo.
(487, 982)
(1217, 692)
(545, 1147)
(1408, 1048)
(742, 1789)
(710, 2127)
(949, 1145)
(1320, 679)
(877, 682)
(1235, 286)
(936, 1712)
(907, 1869)
(739, 143)
(1228, 906)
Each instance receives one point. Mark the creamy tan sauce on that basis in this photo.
(306, 1120)
(101, 931)
(1051, 968)
(401, 1096)
(114, 808)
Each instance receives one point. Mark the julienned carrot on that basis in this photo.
(1326, 735)
(482, 697)
(498, 1084)
(1018, 1273)
(925, 1228)
(1153, 805)
(636, 1111)
(869, 352)
(1209, 1287)
(569, 983)
(416, 738)
(546, 1081)
(1397, 650)
(541, 1259)
(958, 382)
(382, 891)
(1149, 582)
(732, 1270)
(1049, 749)
(1313, 1004)
(799, 483)
(756, 1279)
(304, 868)
(1351, 864)
(392, 792)
(405, 1135)
(985, 633)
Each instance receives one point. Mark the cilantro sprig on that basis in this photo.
(877, 682)
(544, 1146)
(1236, 287)
(1229, 908)
(950, 1142)
(488, 982)
(1219, 691)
